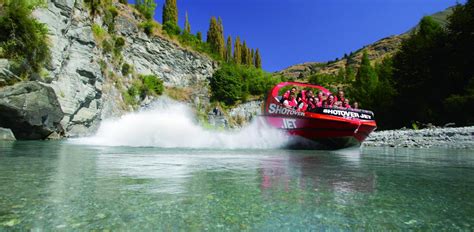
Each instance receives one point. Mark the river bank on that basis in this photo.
(459, 137)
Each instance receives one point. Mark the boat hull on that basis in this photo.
(321, 131)
(319, 128)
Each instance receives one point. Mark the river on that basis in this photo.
(158, 170)
(62, 185)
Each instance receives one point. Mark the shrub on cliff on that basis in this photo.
(146, 7)
(232, 83)
(171, 29)
(152, 85)
(23, 39)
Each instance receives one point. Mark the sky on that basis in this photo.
(289, 32)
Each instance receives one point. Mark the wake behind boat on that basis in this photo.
(328, 127)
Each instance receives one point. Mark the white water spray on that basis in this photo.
(171, 124)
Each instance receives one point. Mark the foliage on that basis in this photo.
(123, 1)
(146, 85)
(152, 85)
(187, 26)
(366, 82)
(109, 18)
(148, 27)
(126, 69)
(232, 83)
(258, 59)
(23, 39)
(99, 33)
(237, 51)
(199, 36)
(171, 29)
(420, 70)
(146, 8)
(228, 48)
(170, 12)
(215, 38)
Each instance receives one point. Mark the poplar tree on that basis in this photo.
(221, 38)
(228, 53)
(258, 59)
(252, 57)
(146, 7)
(249, 57)
(187, 26)
(199, 36)
(244, 53)
(170, 12)
(215, 38)
(237, 51)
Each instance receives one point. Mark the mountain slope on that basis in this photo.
(376, 51)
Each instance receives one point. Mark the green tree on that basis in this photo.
(249, 57)
(187, 26)
(243, 51)
(252, 57)
(23, 39)
(258, 59)
(170, 12)
(237, 51)
(226, 85)
(420, 71)
(145, 7)
(199, 36)
(215, 38)
(228, 53)
(366, 82)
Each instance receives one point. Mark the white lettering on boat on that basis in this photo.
(289, 123)
(346, 114)
(276, 109)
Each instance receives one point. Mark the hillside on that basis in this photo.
(376, 51)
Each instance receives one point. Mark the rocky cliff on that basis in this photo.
(88, 81)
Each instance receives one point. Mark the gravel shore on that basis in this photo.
(460, 137)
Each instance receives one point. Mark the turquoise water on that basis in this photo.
(63, 186)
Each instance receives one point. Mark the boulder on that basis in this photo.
(6, 76)
(31, 110)
(6, 134)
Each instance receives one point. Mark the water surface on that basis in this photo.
(65, 186)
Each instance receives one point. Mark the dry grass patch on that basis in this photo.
(179, 94)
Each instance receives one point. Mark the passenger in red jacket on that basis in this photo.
(291, 101)
(286, 95)
(346, 104)
(329, 102)
(355, 105)
(340, 96)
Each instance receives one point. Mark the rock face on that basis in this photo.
(31, 110)
(6, 134)
(75, 70)
(177, 66)
(6, 76)
(245, 112)
(83, 74)
(461, 137)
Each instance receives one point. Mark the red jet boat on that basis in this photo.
(319, 128)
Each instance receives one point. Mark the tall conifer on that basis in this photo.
(249, 57)
(215, 38)
(258, 59)
(237, 51)
(170, 12)
(243, 52)
(187, 26)
(199, 36)
(228, 53)
(252, 59)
